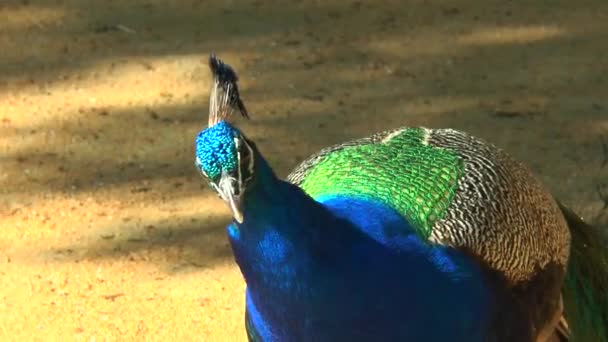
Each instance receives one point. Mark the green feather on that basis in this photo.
(585, 289)
(414, 178)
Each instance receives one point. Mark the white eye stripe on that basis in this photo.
(237, 143)
(250, 166)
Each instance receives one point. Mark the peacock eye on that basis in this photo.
(199, 168)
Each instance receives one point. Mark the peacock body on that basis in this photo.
(413, 234)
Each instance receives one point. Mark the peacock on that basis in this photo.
(413, 234)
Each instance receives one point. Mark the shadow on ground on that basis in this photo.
(531, 78)
(176, 245)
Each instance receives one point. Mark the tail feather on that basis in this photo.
(585, 290)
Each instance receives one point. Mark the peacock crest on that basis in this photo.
(224, 96)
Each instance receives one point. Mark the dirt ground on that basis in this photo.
(106, 230)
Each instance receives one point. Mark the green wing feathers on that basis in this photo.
(585, 289)
(402, 170)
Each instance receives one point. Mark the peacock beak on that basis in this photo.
(228, 189)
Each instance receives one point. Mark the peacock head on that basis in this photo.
(226, 159)
(224, 156)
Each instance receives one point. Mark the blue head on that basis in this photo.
(226, 159)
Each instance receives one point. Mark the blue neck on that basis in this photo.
(349, 269)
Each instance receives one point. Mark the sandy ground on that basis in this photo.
(107, 232)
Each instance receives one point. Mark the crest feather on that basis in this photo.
(224, 96)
